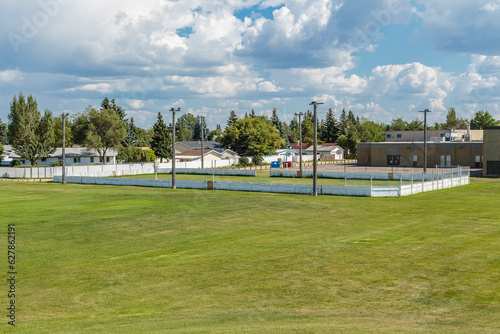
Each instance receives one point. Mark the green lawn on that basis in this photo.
(263, 177)
(104, 259)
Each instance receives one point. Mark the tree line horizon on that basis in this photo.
(33, 135)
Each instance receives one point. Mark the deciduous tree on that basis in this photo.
(31, 135)
(252, 136)
(105, 131)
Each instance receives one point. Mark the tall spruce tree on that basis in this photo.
(161, 143)
(4, 133)
(331, 127)
(232, 119)
(31, 135)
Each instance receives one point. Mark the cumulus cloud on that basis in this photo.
(462, 25)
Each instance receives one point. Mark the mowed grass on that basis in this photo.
(103, 259)
(264, 177)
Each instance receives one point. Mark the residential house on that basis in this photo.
(74, 156)
(327, 151)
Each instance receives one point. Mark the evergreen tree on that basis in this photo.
(331, 128)
(252, 114)
(30, 134)
(275, 121)
(343, 123)
(185, 127)
(232, 118)
(4, 133)
(161, 143)
(197, 130)
(293, 133)
(132, 133)
(105, 104)
(482, 119)
(118, 110)
(322, 131)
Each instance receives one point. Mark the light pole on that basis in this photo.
(315, 148)
(64, 147)
(425, 138)
(173, 144)
(202, 120)
(300, 140)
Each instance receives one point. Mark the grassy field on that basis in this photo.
(263, 177)
(103, 259)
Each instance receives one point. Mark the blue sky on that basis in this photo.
(379, 58)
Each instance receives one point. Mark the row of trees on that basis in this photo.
(34, 135)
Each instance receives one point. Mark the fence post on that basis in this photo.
(423, 181)
(412, 183)
(371, 185)
(400, 185)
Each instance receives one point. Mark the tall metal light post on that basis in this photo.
(202, 120)
(315, 148)
(425, 138)
(173, 144)
(64, 147)
(300, 140)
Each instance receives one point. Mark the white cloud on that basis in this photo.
(462, 25)
(10, 75)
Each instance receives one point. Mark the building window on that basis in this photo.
(388, 136)
(478, 161)
(100, 160)
(108, 159)
(443, 161)
(448, 160)
(44, 159)
(23, 162)
(76, 160)
(398, 135)
(415, 160)
(92, 160)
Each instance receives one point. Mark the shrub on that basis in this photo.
(57, 164)
(14, 163)
(244, 161)
(258, 160)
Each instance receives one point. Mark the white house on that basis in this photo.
(74, 156)
(327, 151)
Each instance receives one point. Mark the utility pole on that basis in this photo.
(315, 148)
(173, 145)
(64, 147)
(202, 120)
(425, 138)
(300, 140)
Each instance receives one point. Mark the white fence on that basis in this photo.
(102, 170)
(199, 171)
(446, 180)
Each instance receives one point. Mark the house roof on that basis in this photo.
(325, 148)
(296, 146)
(196, 144)
(196, 153)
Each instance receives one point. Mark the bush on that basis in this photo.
(14, 163)
(258, 160)
(244, 161)
(57, 164)
(135, 154)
